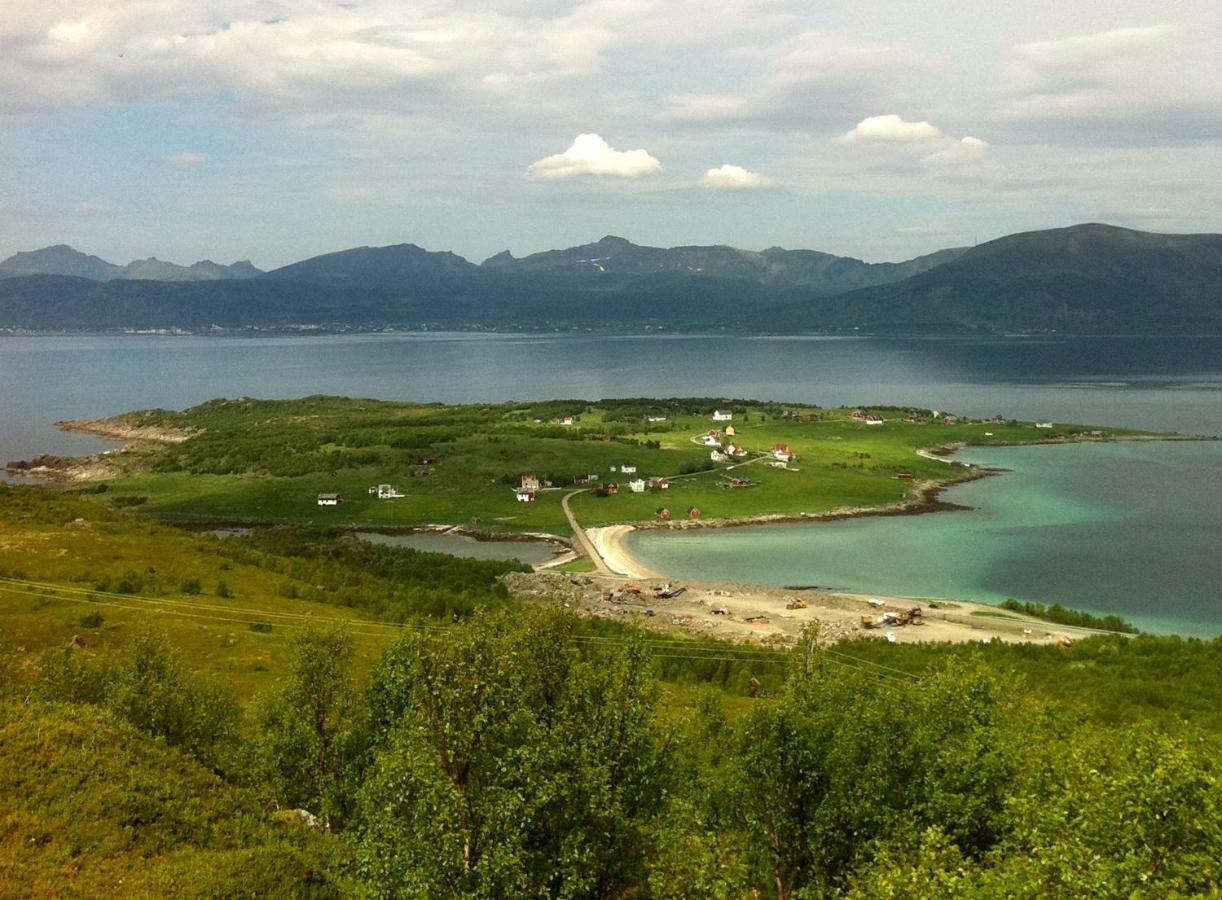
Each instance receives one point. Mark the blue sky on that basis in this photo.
(277, 130)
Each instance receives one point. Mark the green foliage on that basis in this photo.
(150, 688)
(1063, 616)
(92, 620)
(309, 730)
(506, 765)
(222, 589)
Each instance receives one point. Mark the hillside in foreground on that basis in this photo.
(503, 747)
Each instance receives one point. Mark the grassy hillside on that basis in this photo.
(94, 808)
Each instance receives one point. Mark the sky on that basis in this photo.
(274, 130)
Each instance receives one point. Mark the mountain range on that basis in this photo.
(63, 260)
(1083, 279)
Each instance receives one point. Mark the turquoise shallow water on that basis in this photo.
(1131, 529)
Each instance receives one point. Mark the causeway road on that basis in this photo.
(583, 540)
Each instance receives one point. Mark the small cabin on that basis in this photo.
(628, 470)
(730, 432)
(875, 420)
(722, 415)
(613, 487)
(524, 496)
(735, 449)
(904, 476)
(386, 492)
(567, 420)
(659, 484)
(330, 499)
(859, 415)
(664, 514)
(781, 452)
(693, 513)
(718, 457)
(529, 483)
(657, 418)
(637, 485)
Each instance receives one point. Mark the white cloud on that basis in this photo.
(728, 176)
(890, 129)
(590, 155)
(966, 151)
(186, 160)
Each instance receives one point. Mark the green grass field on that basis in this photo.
(266, 461)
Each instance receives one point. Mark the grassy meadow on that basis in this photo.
(266, 461)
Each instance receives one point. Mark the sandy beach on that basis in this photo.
(753, 613)
(609, 542)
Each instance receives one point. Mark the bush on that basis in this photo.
(222, 589)
(91, 620)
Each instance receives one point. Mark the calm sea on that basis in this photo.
(1172, 384)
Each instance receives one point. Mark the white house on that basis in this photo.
(567, 420)
(627, 470)
(874, 420)
(1043, 424)
(637, 486)
(722, 415)
(386, 492)
(781, 452)
(656, 418)
(529, 483)
(718, 456)
(329, 500)
(524, 496)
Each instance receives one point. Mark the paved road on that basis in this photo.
(579, 534)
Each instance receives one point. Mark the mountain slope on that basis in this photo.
(615, 258)
(398, 267)
(1086, 278)
(58, 260)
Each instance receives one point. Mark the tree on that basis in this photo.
(310, 731)
(509, 764)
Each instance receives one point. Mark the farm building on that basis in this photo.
(524, 496)
(529, 483)
(722, 415)
(781, 452)
(637, 485)
(330, 499)
(386, 492)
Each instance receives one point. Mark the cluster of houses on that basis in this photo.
(530, 485)
(860, 415)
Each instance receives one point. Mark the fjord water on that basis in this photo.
(1130, 529)
(1046, 514)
